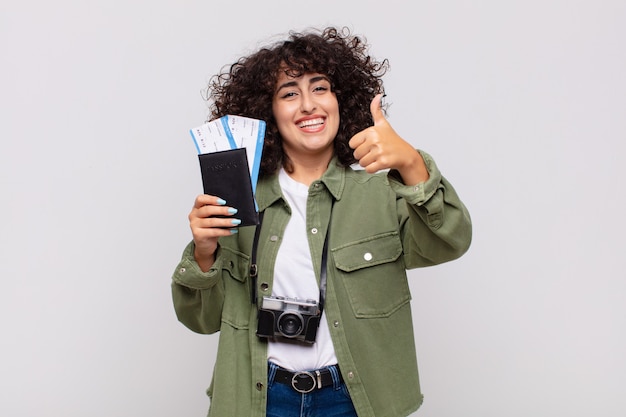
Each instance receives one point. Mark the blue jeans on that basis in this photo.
(331, 401)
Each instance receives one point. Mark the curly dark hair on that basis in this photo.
(247, 87)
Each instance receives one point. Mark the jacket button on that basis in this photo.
(264, 286)
(367, 256)
(273, 238)
(182, 270)
(350, 375)
(336, 323)
(314, 230)
(259, 386)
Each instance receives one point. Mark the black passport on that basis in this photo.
(225, 174)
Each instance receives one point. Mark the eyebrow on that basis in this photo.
(313, 80)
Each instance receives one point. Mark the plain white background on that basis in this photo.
(521, 103)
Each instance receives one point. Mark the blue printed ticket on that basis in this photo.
(233, 132)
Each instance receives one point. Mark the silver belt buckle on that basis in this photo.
(303, 382)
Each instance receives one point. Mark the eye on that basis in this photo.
(288, 94)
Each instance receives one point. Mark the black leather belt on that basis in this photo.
(306, 381)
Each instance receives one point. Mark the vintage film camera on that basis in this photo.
(289, 317)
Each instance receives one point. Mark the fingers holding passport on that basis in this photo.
(211, 212)
(209, 219)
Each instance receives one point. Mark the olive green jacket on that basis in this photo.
(379, 229)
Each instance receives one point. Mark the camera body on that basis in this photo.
(291, 318)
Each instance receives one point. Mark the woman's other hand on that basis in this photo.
(207, 227)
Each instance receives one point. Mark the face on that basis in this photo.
(307, 114)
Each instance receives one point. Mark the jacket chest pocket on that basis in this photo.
(237, 299)
(373, 274)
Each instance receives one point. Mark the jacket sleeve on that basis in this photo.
(435, 224)
(198, 296)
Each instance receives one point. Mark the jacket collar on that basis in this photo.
(268, 189)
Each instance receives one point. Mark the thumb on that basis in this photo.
(376, 109)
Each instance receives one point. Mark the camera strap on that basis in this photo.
(254, 270)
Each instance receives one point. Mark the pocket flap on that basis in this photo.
(372, 251)
(236, 263)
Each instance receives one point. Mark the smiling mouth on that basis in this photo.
(311, 123)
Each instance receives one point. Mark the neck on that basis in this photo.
(305, 170)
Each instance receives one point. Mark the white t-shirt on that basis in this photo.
(294, 277)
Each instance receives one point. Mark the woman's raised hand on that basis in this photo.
(379, 147)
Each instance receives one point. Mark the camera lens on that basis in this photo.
(290, 324)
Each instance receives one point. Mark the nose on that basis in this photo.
(307, 103)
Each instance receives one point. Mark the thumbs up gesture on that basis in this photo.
(379, 147)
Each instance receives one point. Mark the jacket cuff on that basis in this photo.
(189, 274)
(418, 194)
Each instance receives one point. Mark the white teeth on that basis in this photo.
(311, 122)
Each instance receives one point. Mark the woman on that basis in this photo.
(324, 328)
